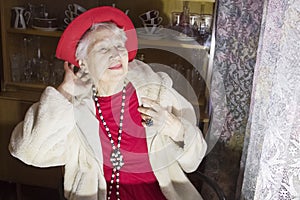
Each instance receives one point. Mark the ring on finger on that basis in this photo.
(149, 122)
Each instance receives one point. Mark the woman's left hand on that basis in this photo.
(161, 118)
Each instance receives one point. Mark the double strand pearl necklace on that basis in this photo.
(116, 157)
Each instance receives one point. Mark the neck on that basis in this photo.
(109, 88)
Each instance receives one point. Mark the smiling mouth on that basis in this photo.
(119, 66)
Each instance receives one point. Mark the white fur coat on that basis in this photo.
(56, 132)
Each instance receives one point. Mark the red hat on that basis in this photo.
(68, 42)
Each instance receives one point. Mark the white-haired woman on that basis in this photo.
(119, 129)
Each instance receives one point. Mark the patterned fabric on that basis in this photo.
(237, 33)
(272, 163)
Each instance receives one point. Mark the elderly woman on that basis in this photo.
(119, 129)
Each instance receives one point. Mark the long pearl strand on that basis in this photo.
(116, 157)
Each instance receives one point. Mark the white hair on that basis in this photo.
(83, 44)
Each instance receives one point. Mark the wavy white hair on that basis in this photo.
(83, 44)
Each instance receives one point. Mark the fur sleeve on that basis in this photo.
(41, 139)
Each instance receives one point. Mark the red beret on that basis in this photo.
(68, 42)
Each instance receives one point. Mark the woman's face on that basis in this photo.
(107, 57)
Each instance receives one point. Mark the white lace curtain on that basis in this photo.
(271, 158)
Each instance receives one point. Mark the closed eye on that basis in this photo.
(119, 44)
(121, 47)
(103, 50)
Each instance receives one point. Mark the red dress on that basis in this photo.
(137, 180)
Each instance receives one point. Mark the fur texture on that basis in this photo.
(56, 132)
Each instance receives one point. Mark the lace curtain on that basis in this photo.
(271, 157)
(237, 34)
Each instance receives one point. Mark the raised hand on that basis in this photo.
(74, 83)
(161, 118)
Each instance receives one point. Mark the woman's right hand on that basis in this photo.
(74, 84)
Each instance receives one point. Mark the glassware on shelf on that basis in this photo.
(56, 71)
(28, 71)
(29, 65)
(17, 61)
(205, 27)
(185, 29)
(175, 19)
(185, 15)
(195, 19)
(27, 62)
(36, 68)
(40, 67)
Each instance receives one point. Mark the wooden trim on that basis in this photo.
(24, 96)
(4, 15)
(31, 31)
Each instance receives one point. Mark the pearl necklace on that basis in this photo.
(116, 157)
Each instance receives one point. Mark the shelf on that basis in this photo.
(168, 42)
(38, 87)
(35, 32)
(21, 96)
(27, 96)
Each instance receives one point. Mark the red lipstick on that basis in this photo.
(119, 66)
